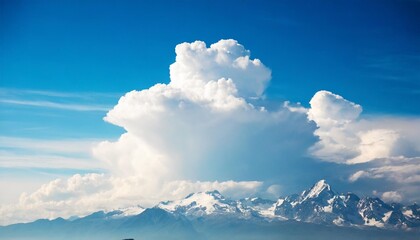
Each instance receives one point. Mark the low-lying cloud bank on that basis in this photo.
(206, 125)
(83, 194)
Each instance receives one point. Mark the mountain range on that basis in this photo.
(316, 213)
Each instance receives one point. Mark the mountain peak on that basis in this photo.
(201, 203)
(322, 182)
(321, 185)
(316, 190)
(214, 193)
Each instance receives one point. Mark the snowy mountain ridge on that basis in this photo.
(210, 213)
(319, 204)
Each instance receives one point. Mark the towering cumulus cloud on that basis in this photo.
(207, 129)
(199, 132)
(201, 124)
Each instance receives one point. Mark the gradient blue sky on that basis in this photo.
(367, 51)
(63, 64)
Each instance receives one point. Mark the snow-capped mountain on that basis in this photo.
(322, 205)
(127, 211)
(112, 214)
(257, 207)
(319, 204)
(316, 213)
(202, 204)
(213, 204)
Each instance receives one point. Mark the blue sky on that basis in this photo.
(366, 51)
(64, 64)
(344, 46)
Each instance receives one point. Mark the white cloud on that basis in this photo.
(398, 170)
(391, 196)
(382, 148)
(376, 143)
(359, 174)
(15, 160)
(334, 115)
(345, 137)
(12, 93)
(200, 126)
(41, 153)
(295, 107)
(71, 146)
(53, 100)
(83, 194)
(63, 106)
(400, 174)
(274, 190)
(331, 110)
(196, 65)
(201, 123)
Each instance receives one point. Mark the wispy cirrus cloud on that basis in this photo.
(68, 146)
(63, 106)
(72, 101)
(47, 93)
(19, 161)
(43, 153)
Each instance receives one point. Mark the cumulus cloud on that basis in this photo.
(196, 66)
(334, 115)
(83, 194)
(205, 130)
(186, 135)
(331, 110)
(345, 137)
(391, 196)
(384, 149)
(202, 123)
